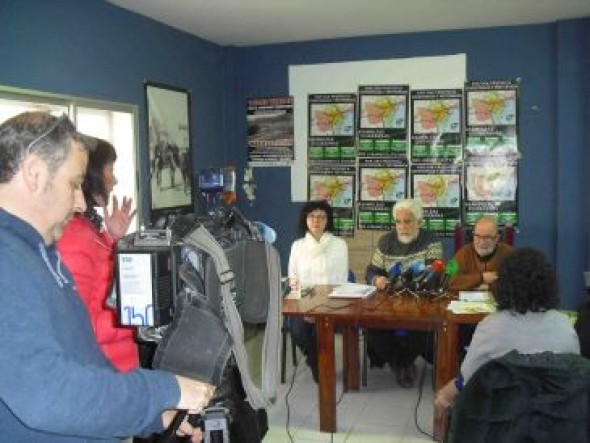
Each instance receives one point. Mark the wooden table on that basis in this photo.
(448, 352)
(379, 311)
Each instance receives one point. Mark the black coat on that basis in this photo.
(537, 398)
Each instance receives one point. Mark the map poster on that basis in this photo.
(382, 179)
(375, 216)
(270, 131)
(383, 122)
(436, 125)
(491, 118)
(438, 188)
(491, 188)
(331, 127)
(333, 183)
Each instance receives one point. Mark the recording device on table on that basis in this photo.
(427, 278)
(177, 287)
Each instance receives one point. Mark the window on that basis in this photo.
(114, 122)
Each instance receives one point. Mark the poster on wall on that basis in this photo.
(438, 188)
(331, 127)
(270, 131)
(491, 188)
(383, 122)
(491, 118)
(332, 183)
(335, 184)
(382, 182)
(168, 114)
(437, 129)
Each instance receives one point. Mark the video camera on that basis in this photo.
(178, 288)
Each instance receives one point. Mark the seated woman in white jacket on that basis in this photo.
(317, 258)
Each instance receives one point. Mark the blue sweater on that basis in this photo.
(55, 383)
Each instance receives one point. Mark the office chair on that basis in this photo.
(285, 332)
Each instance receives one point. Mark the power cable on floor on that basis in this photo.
(420, 386)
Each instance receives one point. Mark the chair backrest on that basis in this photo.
(542, 397)
(464, 235)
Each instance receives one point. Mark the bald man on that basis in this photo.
(479, 260)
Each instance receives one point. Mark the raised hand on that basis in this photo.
(118, 220)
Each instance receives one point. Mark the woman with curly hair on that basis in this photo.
(526, 320)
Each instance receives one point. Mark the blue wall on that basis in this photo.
(93, 49)
(552, 63)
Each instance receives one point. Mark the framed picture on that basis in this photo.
(169, 141)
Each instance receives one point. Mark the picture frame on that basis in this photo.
(170, 151)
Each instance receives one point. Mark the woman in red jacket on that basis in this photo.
(87, 247)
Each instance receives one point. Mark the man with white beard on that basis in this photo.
(401, 247)
(478, 261)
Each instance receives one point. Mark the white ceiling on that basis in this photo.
(257, 22)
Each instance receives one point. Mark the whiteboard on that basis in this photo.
(440, 72)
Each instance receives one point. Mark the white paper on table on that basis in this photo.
(477, 296)
(353, 290)
(470, 307)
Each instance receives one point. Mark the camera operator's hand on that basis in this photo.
(185, 428)
(194, 395)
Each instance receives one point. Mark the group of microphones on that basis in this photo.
(430, 277)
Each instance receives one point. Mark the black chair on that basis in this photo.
(285, 333)
(543, 398)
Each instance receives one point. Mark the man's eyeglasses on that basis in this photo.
(47, 132)
(484, 237)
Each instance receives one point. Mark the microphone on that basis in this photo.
(433, 277)
(414, 268)
(394, 273)
(438, 265)
(421, 277)
(451, 269)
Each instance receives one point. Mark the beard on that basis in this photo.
(485, 251)
(407, 238)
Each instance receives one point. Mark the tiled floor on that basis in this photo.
(382, 412)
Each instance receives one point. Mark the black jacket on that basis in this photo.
(538, 398)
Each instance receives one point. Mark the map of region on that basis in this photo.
(490, 183)
(381, 184)
(334, 119)
(336, 190)
(491, 108)
(383, 111)
(437, 190)
(437, 116)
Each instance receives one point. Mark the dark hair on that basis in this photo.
(104, 153)
(526, 282)
(38, 133)
(312, 206)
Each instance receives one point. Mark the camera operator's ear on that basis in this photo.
(34, 172)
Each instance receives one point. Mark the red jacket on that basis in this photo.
(88, 254)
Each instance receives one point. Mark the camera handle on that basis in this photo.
(169, 434)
